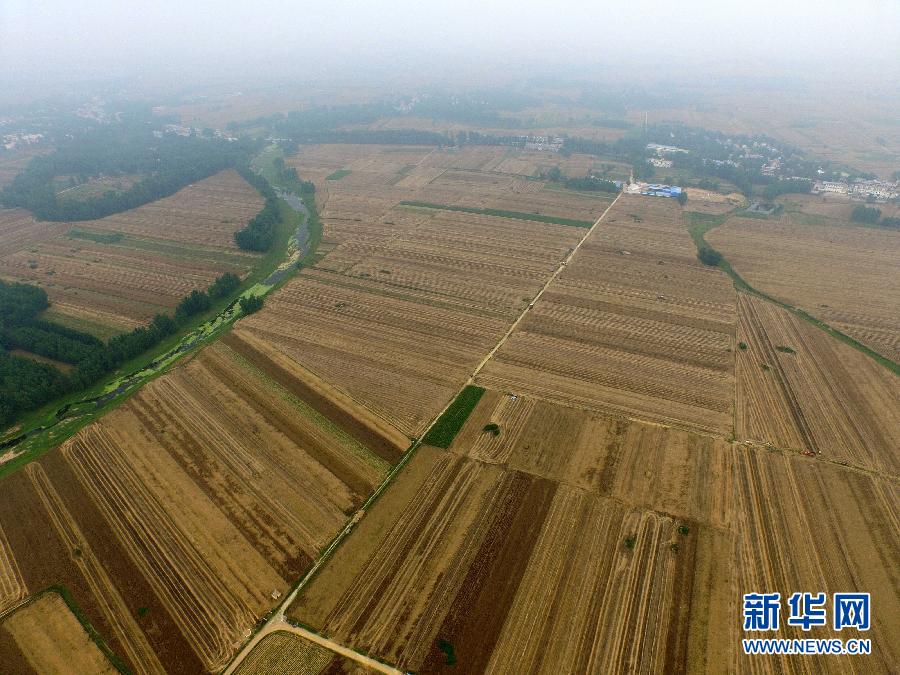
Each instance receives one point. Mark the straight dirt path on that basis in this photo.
(278, 619)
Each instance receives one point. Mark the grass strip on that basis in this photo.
(98, 237)
(699, 224)
(443, 432)
(502, 214)
(337, 175)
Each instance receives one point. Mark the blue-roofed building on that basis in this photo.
(659, 190)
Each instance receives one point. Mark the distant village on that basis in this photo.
(860, 190)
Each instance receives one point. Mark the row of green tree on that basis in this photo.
(259, 233)
(26, 384)
(167, 162)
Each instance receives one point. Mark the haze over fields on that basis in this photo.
(354, 40)
(449, 337)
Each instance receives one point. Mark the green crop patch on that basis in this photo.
(443, 432)
(98, 237)
(517, 215)
(337, 175)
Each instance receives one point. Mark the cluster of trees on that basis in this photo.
(259, 233)
(251, 303)
(865, 214)
(591, 184)
(26, 384)
(628, 149)
(167, 163)
(709, 256)
(871, 215)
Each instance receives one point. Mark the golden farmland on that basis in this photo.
(159, 253)
(644, 470)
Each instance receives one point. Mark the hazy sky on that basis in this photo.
(49, 40)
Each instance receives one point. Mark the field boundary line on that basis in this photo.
(277, 616)
(698, 228)
(562, 265)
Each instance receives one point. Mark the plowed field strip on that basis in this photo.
(139, 652)
(12, 586)
(385, 447)
(477, 613)
(193, 591)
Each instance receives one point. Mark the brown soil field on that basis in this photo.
(825, 397)
(634, 325)
(45, 637)
(167, 248)
(713, 203)
(208, 491)
(513, 549)
(284, 653)
(516, 557)
(845, 276)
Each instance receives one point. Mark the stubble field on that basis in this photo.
(799, 388)
(115, 273)
(409, 296)
(841, 274)
(178, 518)
(582, 542)
(45, 637)
(634, 325)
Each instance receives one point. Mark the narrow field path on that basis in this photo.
(277, 621)
(280, 625)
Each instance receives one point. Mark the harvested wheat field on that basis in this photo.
(634, 325)
(510, 193)
(846, 276)
(358, 186)
(284, 653)
(810, 524)
(799, 388)
(520, 558)
(117, 272)
(567, 541)
(411, 296)
(45, 638)
(201, 499)
(399, 320)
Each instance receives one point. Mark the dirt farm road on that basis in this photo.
(278, 622)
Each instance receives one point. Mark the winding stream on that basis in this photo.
(67, 419)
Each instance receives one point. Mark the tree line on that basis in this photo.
(26, 385)
(166, 162)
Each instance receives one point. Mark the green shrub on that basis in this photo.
(250, 303)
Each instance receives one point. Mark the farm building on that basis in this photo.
(654, 190)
